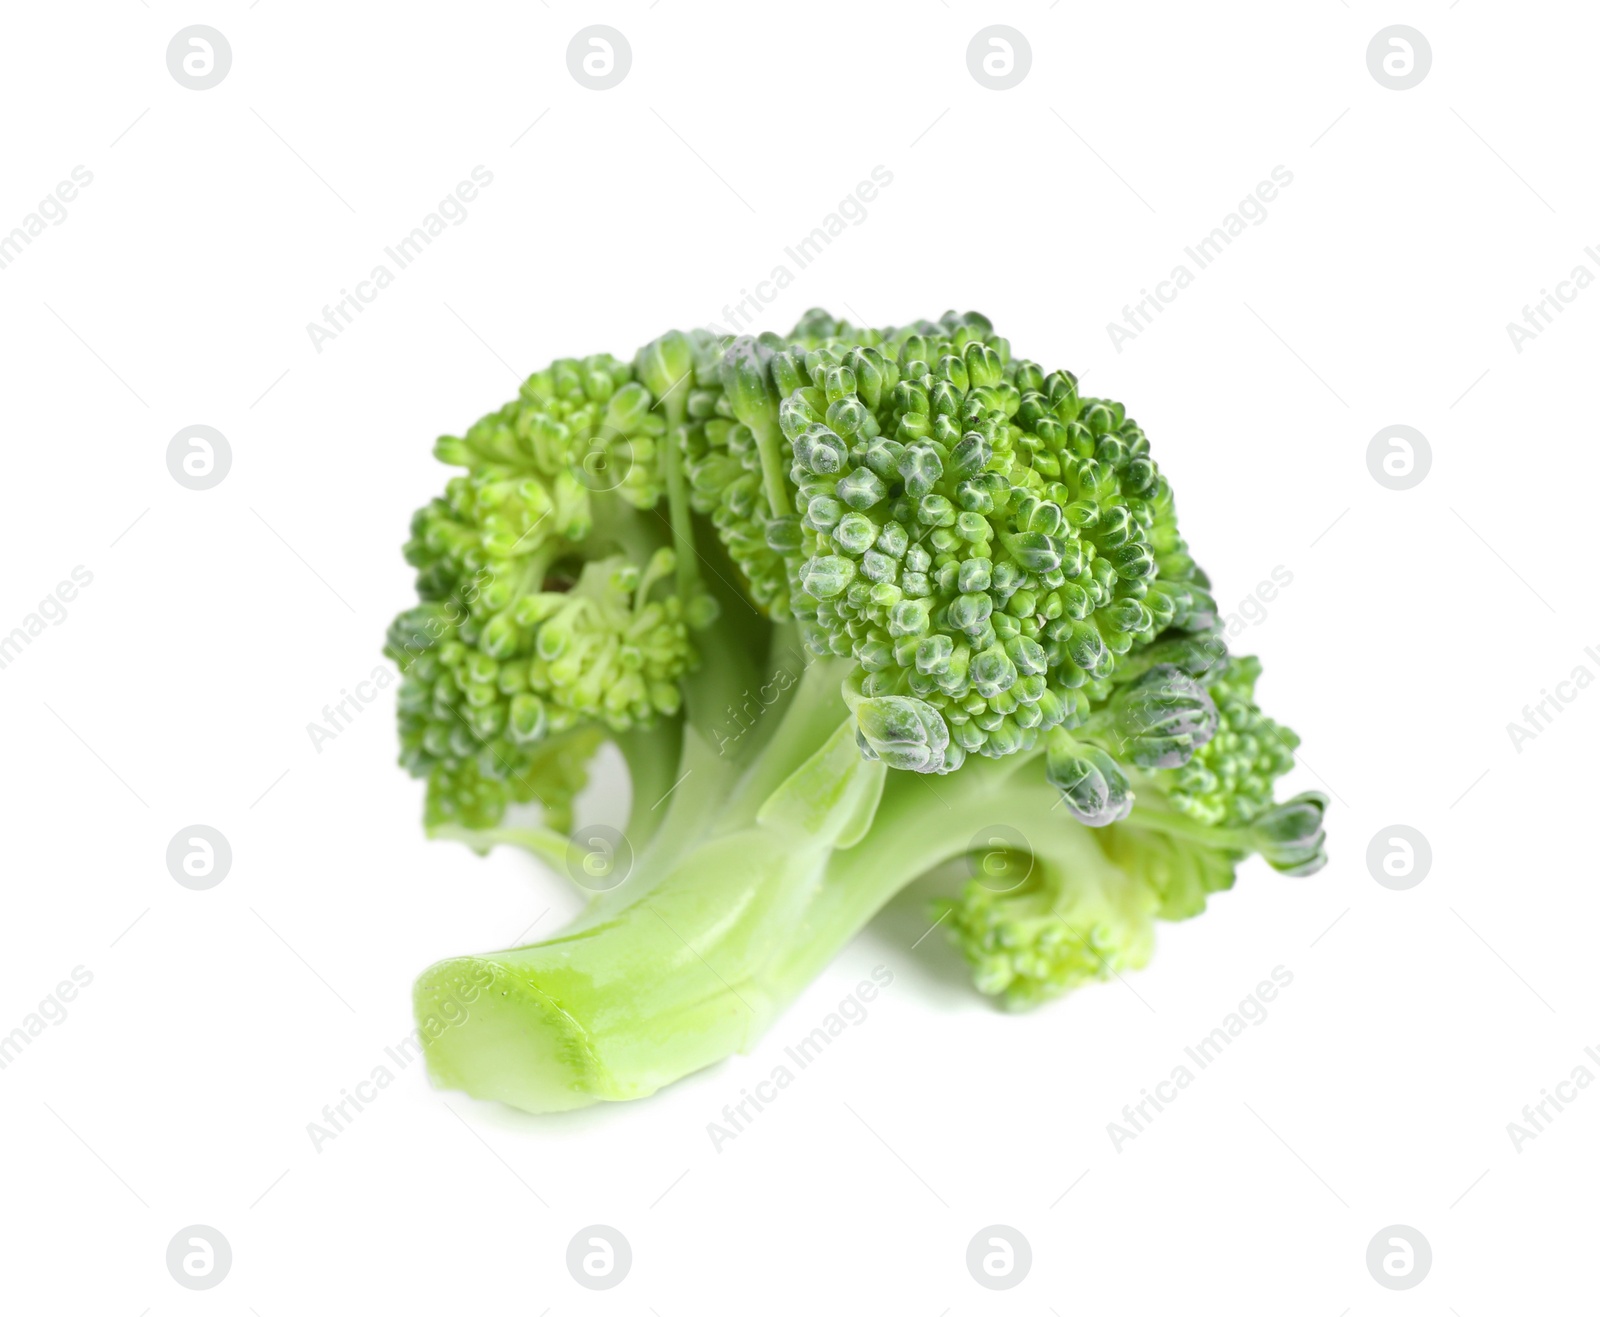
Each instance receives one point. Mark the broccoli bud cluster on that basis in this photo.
(974, 533)
(1229, 779)
(733, 450)
(536, 615)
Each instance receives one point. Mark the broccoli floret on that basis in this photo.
(1175, 834)
(1048, 920)
(849, 602)
(976, 535)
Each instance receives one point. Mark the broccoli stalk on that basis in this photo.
(680, 964)
(1009, 655)
(762, 870)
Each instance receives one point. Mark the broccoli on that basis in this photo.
(851, 604)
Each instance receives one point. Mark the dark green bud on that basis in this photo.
(933, 654)
(1290, 836)
(828, 577)
(905, 733)
(920, 466)
(952, 369)
(969, 612)
(1161, 718)
(971, 455)
(788, 371)
(819, 451)
(785, 535)
(991, 671)
(974, 576)
(877, 566)
(1092, 785)
(1133, 562)
(855, 533)
(847, 417)
(882, 457)
(746, 382)
(861, 489)
(984, 365)
(1036, 552)
(795, 414)
(661, 365)
(909, 618)
(823, 512)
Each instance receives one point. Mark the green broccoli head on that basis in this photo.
(540, 614)
(971, 531)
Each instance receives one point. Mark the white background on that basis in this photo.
(219, 623)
